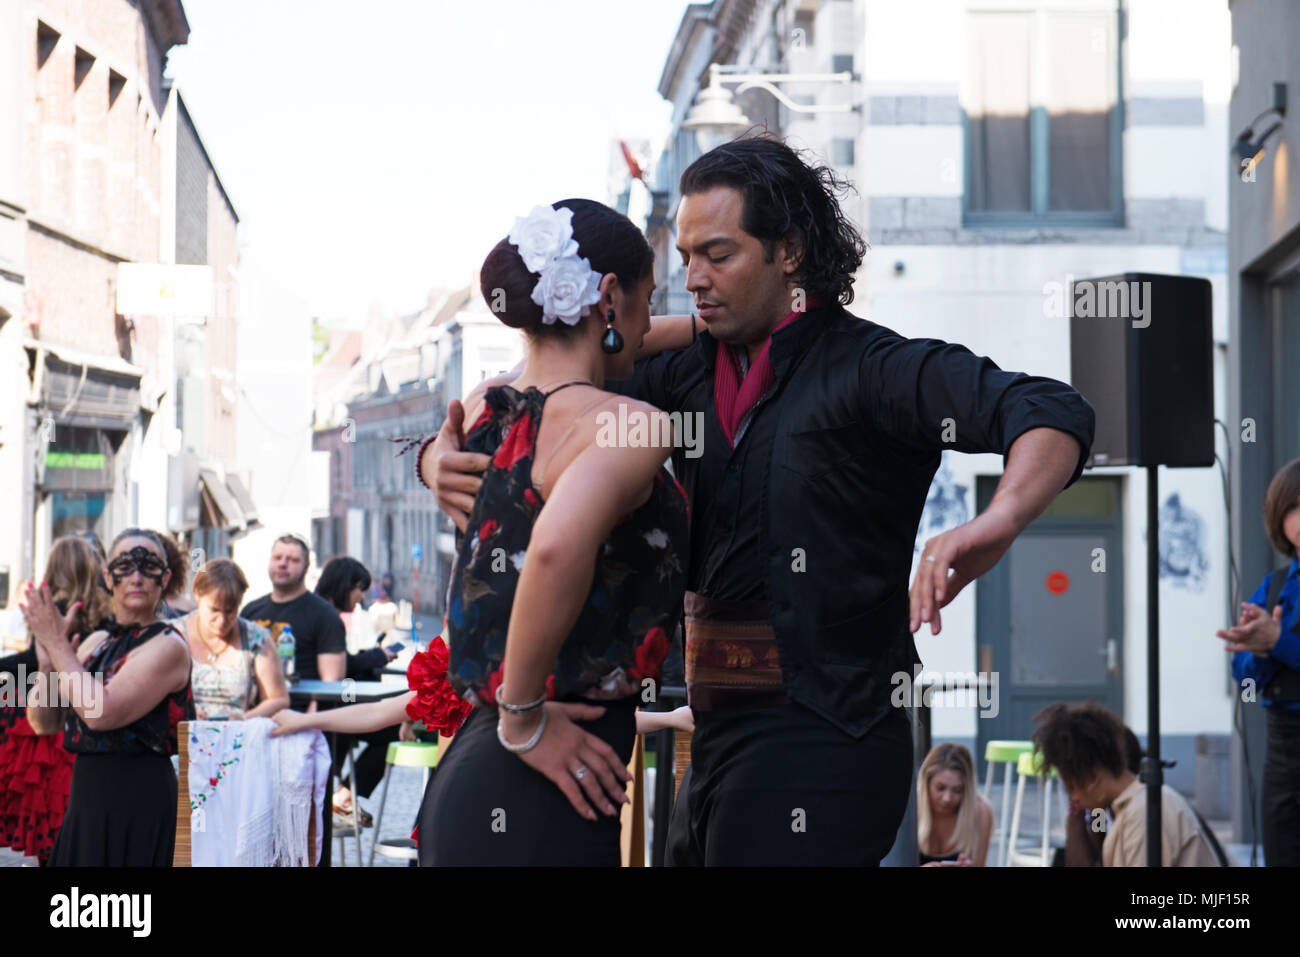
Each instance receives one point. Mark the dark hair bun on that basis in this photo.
(606, 238)
(507, 287)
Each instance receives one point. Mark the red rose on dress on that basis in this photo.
(550, 687)
(518, 443)
(531, 498)
(487, 529)
(650, 654)
(436, 702)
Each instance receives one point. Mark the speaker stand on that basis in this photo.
(1152, 767)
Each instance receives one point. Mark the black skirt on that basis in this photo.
(486, 807)
(121, 813)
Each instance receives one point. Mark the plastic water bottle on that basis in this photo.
(288, 648)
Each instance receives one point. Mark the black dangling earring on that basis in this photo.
(612, 342)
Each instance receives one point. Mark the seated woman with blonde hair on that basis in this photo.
(954, 823)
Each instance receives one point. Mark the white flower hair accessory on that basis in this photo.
(568, 287)
(544, 234)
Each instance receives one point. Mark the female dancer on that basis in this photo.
(35, 770)
(570, 568)
(124, 690)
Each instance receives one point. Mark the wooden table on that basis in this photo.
(302, 693)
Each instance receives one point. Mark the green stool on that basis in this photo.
(1006, 753)
(1031, 766)
(402, 754)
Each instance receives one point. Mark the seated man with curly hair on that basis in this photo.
(1085, 744)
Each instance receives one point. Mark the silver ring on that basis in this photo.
(581, 772)
(929, 558)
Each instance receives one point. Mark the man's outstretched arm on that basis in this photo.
(1039, 464)
(934, 396)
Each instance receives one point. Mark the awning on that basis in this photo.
(245, 500)
(77, 357)
(231, 515)
(85, 389)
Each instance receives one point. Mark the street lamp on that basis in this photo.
(715, 118)
(1250, 147)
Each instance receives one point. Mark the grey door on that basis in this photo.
(1050, 615)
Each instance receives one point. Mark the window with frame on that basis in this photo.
(1042, 117)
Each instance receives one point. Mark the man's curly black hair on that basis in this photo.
(786, 197)
(1081, 740)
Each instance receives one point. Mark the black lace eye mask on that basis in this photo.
(137, 559)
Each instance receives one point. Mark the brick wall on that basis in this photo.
(95, 74)
(77, 290)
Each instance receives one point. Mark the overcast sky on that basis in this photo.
(373, 151)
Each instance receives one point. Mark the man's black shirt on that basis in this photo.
(817, 507)
(317, 628)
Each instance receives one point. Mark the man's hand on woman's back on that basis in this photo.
(454, 475)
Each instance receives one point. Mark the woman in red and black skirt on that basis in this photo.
(35, 770)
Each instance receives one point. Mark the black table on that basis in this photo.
(301, 694)
(341, 692)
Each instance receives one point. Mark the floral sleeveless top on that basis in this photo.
(155, 733)
(228, 690)
(621, 635)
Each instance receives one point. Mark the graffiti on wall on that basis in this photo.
(1184, 561)
(945, 506)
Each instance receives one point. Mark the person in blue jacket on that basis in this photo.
(1265, 649)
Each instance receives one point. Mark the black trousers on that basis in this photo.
(1281, 792)
(782, 786)
(485, 807)
(371, 762)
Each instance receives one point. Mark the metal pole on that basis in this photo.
(1151, 765)
(664, 773)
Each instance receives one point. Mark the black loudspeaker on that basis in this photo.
(1142, 352)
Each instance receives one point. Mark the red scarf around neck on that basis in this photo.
(735, 398)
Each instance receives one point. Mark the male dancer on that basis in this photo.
(822, 434)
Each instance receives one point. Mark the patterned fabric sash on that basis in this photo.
(732, 660)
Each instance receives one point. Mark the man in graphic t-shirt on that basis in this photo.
(319, 636)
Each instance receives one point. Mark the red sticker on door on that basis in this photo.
(1058, 582)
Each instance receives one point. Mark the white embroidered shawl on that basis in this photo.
(251, 795)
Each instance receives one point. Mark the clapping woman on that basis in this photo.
(119, 695)
(1265, 649)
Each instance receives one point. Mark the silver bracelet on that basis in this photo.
(527, 745)
(519, 708)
